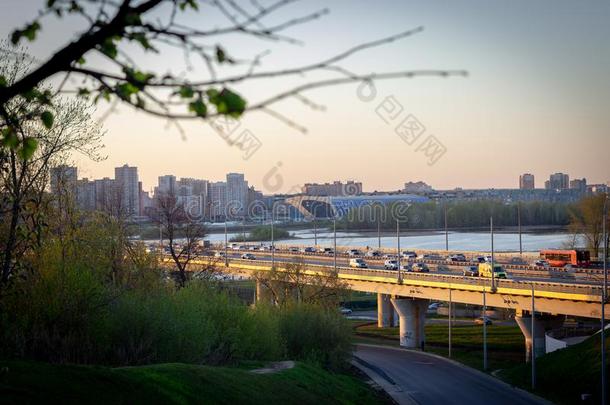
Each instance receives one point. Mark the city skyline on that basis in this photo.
(540, 112)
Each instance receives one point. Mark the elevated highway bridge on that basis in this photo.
(407, 294)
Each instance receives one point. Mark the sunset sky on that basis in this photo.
(536, 99)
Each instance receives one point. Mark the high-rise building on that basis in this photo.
(526, 181)
(237, 195)
(104, 194)
(557, 181)
(167, 185)
(128, 191)
(85, 194)
(63, 179)
(579, 184)
(217, 199)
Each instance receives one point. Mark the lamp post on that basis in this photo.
(272, 240)
(446, 232)
(335, 243)
(604, 299)
(450, 315)
(315, 232)
(533, 327)
(519, 226)
(226, 246)
(493, 273)
(484, 332)
(398, 250)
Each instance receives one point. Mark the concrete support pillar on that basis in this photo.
(542, 324)
(412, 313)
(385, 311)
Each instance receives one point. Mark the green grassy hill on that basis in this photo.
(562, 376)
(30, 382)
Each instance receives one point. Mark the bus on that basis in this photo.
(559, 258)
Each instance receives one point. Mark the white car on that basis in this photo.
(248, 256)
(358, 263)
(219, 254)
(409, 255)
(390, 265)
(354, 252)
(373, 253)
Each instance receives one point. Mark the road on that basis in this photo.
(377, 264)
(422, 379)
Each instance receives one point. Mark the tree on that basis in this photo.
(34, 147)
(587, 220)
(155, 25)
(294, 283)
(175, 223)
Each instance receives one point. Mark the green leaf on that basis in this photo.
(27, 150)
(125, 90)
(47, 119)
(198, 107)
(10, 138)
(133, 19)
(221, 55)
(228, 102)
(186, 91)
(29, 32)
(109, 48)
(81, 61)
(3, 82)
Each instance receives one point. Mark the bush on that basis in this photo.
(316, 334)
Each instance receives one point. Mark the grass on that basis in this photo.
(32, 382)
(505, 344)
(562, 376)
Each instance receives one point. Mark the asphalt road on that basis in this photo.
(422, 379)
(378, 265)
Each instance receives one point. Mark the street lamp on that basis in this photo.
(398, 250)
(493, 274)
(446, 232)
(272, 239)
(335, 243)
(604, 299)
(226, 246)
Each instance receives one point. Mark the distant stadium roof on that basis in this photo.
(327, 207)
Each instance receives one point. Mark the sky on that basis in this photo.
(535, 100)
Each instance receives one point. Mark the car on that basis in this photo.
(354, 252)
(488, 259)
(293, 249)
(248, 256)
(409, 255)
(471, 271)
(541, 263)
(456, 258)
(429, 256)
(373, 253)
(345, 311)
(390, 265)
(517, 261)
(569, 266)
(483, 320)
(253, 247)
(358, 263)
(308, 249)
(434, 306)
(478, 259)
(327, 251)
(219, 254)
(420, 268)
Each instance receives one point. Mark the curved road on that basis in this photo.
(417, 378)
